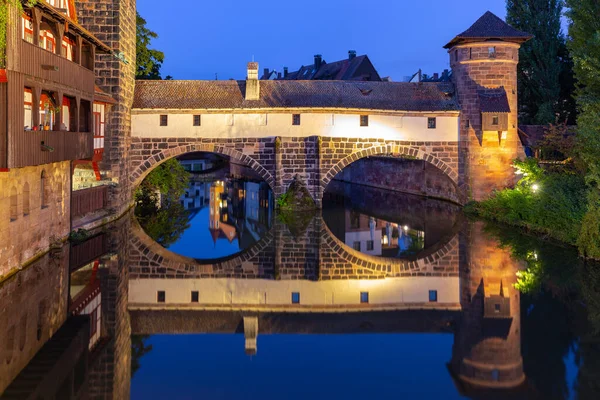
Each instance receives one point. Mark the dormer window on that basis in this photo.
(495, 120)
(492, 52)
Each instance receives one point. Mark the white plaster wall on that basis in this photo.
(227, 125)
(363, 237)
(392, 291)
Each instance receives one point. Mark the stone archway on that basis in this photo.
(146, 166)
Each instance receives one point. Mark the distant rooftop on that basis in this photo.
(398, 96)
(490, 27)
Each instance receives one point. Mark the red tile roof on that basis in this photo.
(399, 96)
(494, 101)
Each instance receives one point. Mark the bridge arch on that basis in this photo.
(146, 166)
(397, 151)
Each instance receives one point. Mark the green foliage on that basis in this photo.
(530, 279)
(79, 235)
(148, 61)
(556, 208)
(4, 17)
(166, 224)
(139, 348)
(169, 178)
(545, 77)
(282, 202)
(589, 237)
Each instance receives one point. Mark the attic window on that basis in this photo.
(163, 120)
(366, 92)
(495, 120)
(492, 52)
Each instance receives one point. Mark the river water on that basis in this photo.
(379, 295)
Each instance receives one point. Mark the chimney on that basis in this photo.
(318, 61)
(351, 54)
(279, 75)
(266, 73)
(252, 82)
(436, 76)
(285, 72)
(445, 74)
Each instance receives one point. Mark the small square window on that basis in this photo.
(433, 296)
(495, 120)
(370, 245)
(295, 119)
(364, 120)
(295, 298)
(197, 120)
(364, 297)
(468, 124)
(160, 296)
(497, 308)
(492, 52)
(470, 52)
(164, 120)
(356, 246)
(194, 296)
(431, 123)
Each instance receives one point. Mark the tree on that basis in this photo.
(545, 80)
(584, 45)
(148, 61)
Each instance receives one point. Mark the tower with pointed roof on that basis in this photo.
(484, 62)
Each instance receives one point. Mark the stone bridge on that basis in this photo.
(312, 130)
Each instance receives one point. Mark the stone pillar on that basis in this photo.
(114, 22)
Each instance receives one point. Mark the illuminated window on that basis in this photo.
(492, 52)
(495, 120)
(364, 120)
(194, 296)
(495, 375)
(160, 296)
(433, 296)
(431, 122)
(364, 297)
(370, 245)
(356, 246)
(295, 119)
(197, 120)
(164, 120)
(295, 298)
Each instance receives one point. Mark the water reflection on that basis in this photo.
(300, 299)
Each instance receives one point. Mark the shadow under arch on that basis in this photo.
(400, 152)
(163, 263)
(146, 166)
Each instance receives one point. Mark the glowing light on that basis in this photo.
(535, 187)
(405, 228)
(535, 255)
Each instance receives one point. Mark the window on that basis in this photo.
(160, 296)
(495, 120)
(26, 199)
(495, 375)
(194, 296)
(295, 119)
(433, 296)
(93, 322)
(470, 52)
(455, 55)
(356, 246)
(295, 298)
(364, 120)
(364, 297)
(467, 124)
(13, 204)
(164, 120)
(431, 123)
(496, 308)
(370, 245)
(197, 120)
(492, 52)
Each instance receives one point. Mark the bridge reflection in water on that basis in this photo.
(304, 278)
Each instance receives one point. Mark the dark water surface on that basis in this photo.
(381, 295)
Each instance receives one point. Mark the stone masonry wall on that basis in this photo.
(35, 224)
(114, 22)
(485, 158)
(316, 160)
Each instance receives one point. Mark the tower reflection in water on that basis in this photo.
(74, 336)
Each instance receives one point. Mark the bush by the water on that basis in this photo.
(549, 203)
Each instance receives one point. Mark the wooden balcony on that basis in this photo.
(88, 251)
(43, 147)
(41, 63)
(86, 201)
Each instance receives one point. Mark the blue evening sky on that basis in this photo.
(399, 36)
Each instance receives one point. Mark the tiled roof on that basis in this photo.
(494, 101)
(102, 97)
(337, 70)
(400, 96)
(489, 26)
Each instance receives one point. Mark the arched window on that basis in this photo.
(26, 199)
(13, 204)
(44, 190)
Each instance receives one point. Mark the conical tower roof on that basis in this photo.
(490, 27)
